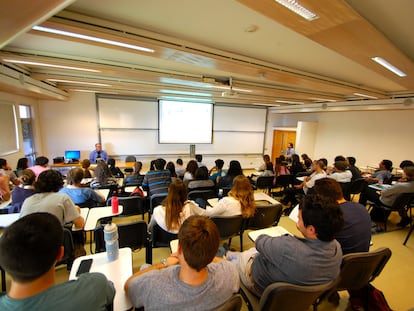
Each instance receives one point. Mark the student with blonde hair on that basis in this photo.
(175, 209)
(240, 200)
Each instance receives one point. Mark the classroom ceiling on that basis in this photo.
(243, 52)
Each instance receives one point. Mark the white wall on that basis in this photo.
(369, 136)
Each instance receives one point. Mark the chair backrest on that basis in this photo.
(284, 296)
(264, 182)
(345, 186)
(228, 226)
(284, 181)
(155, 200)
(130, 158)
(402, 201)
(233, 304)
(265, 216)
(160, 237)
(203, 194)
(359, 269)
(133, 205)
(69, 247)
(133, 235)
(357, 186)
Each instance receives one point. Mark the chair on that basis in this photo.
(133, 235)
(230, 226)
(69, 247)
(356, 187)
(133, 205)
(360, 269)
(283, 181)
(265, 216)
(203, 194)
(285, 297)
(410, 206)
(160, 237)
(155, 200)
(345, 186)
(233, 304)
(265, 182)
(401, 202)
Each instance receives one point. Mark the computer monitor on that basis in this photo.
(72, 155)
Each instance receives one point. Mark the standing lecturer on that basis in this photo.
(98, 154)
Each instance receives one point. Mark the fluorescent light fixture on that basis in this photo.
(185, 93)
(91, 38)
(299, 9)
(84, 91)
(231, 88)
(322, 99)
(78, 82)
(24, 62)
(289, 102)
(198, 100)
(185, 82)
(364, 95)
(389, 66)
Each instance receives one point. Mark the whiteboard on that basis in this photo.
(128, 113)
(130, 126)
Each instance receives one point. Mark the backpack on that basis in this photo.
(369, 298)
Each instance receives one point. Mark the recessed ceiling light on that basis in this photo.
(389, 66)
(299, 9)
(24, 62)
(91, 38)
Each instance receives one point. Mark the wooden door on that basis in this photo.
(280, 142)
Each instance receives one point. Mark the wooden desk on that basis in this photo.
(117, 271)
(97, 213)
(271, 231)
(7, 219)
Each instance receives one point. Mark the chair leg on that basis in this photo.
(409, 233)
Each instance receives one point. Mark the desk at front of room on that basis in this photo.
(64, 168)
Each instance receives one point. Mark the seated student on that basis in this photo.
(81, 195)
(87, 172)
(115, 171)
(264, 166)
(171, 167)
(234, 170)
(41, 164)
(199, 159)
(217, 171)
(296, 166)
(22, 164)
(314, 259)
(389, 195)
(4, 188)
(307, 162)
(136, 177)
(157, 180)
(29, 250)
(190, 279)
(6, 170)
(340, 172)
(403, 164)
(103, 177)
(179, 168)
(308, 183)
(22, 191)
(175, 209)
(356, 172)
(201, 181)
(267, 172)
(355, 235)
(47, 199)
(240, 200)
(190, 170)
(281, 167)
(383, 173)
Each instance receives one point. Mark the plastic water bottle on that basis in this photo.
(111, 241)
(114, 203)
(220, 194)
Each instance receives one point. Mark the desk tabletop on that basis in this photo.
(117, 271)
(97, 213)
(271, 231)
(258, 196)
(7, 219)
(379, 187)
